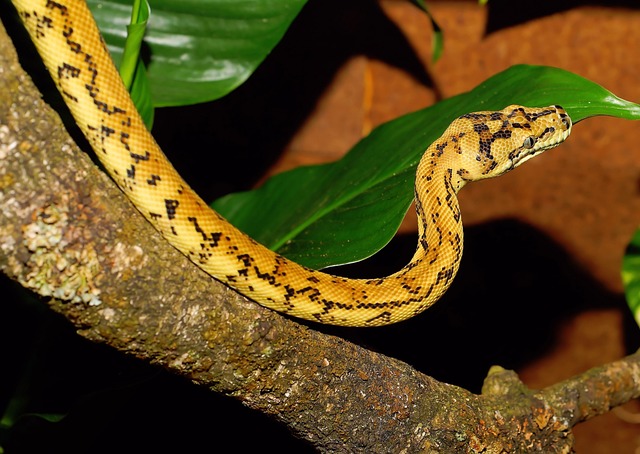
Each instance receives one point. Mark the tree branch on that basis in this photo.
(68, 234)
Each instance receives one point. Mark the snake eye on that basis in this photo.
(566, 122)
(529, 142)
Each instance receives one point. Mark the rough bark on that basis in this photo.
(70, 236)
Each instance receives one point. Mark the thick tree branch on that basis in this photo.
(67, 233)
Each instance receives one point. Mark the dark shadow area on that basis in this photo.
(506, 13)
(234, 139)
(515, 288)
(112, 403)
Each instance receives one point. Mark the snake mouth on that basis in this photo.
(552, 142)
(523, 157)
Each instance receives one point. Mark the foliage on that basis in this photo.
(198, 50)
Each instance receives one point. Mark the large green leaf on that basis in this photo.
(199, 50)
(346, 211)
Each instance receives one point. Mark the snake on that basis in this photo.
(473, 147)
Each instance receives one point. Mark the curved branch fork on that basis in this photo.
(68, 235)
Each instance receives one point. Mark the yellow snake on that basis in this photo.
(475, 146)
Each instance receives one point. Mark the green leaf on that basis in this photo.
(49, 417)
(631, 275)
(199, 50)
(438, 39)
(135, 34)
(346, 211)
(132, 69)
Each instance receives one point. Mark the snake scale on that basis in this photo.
(475, 146)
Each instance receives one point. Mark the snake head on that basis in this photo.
(495, 142)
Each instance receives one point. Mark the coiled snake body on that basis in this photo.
(475, 146)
